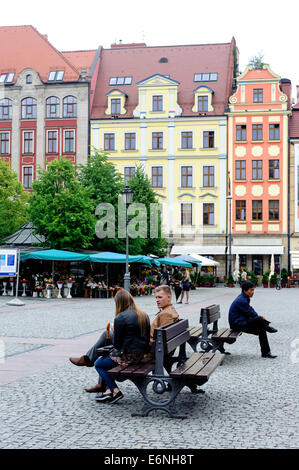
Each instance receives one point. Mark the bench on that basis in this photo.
(211, 339)
(149, 375)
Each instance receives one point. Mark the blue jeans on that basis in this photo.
(102, 365)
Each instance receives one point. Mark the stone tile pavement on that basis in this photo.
(249, 402)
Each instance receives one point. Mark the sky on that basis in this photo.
(259, 26)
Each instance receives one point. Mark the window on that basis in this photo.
(187, 140)
(157, 103)
(130, 141)
(28, 145)
(186, 176)
(257, 169)
(69, 107)
(52, 107)
(120, 81)
(274, 169)
(257, 131)
(208, 214)
(208, 176)
(6, 77)
(206, 77)
(28, 79)
(109, 142)
(115, 106)
(257, 210)
(55, 75)
(243, 261)
(274, 131)
(202, 103)
(157, 176)
(29, 108)
(208, 139)
(157, 140)
(6, 109)
(69, 141)
(257, 265)
(240, 170)
(27, 177)
(274, 210)
(4, 143)
(241, 133)
(186, 214)
(240, 210)
(129, 171)
(257, 95)
(52, 142)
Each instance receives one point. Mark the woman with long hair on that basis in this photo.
(186, 281)
(131, 342)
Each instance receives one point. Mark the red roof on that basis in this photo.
(81, 58)
(24, 47)
(182, 63)
(294, 122)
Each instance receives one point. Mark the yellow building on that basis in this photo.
(163, 108)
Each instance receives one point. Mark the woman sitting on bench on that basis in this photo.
(131, 342)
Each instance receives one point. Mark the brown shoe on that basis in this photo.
(81, 361)
(97, 388)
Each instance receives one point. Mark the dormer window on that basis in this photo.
(28, 79)
(56, 76)
(203, 99)
(120, 81)
(115, 106)
(116, 100)
(6, 77)
(203, 103)
(206, 77)
(157, 103)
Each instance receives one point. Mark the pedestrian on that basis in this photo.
(242, 317)
(186, 282)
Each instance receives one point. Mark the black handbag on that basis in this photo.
(108, 348)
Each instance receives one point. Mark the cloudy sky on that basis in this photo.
(266, 26)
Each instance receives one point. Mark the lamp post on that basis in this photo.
(127, 195)
(229, 198)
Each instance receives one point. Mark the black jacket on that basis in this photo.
(240, 311)
(127, 337)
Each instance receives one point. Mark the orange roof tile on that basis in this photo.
(25, 47)
(81, 58)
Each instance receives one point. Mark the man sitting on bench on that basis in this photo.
(242, 317)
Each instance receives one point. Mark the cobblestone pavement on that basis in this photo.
(249, 402)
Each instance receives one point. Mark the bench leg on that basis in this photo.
(159, 387)
(193, 343)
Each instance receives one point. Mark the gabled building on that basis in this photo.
(258, 120)
(293, 264)
(164, 108)
(44, 101)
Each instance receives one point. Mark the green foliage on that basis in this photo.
(230, 280)
(13, 199)
(265, 278)
(252, 278)
(61, 209)
(273, 279)
(257, 61)
(284, 275)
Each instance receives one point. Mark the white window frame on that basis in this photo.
(57, 138)
(23, 142)
(202, 175)
(63, 145)
(192, 214)
(163, 136)
(124, 140)
(23, 168)
(9, 141)
(193, 139)
(151, 175)
(103, 141)
(180, 177)
(152, 102)
(127, 166)
(215, 139)
(215, 214)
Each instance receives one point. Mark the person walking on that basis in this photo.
(186, 282)
(242, 317)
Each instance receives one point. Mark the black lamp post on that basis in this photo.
(127, 195)
(229, 198)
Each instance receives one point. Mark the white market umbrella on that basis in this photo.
(272, 266)
(204, 260)
(237, 266)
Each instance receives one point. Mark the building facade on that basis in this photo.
(163, 108)
(294, 189)
(44, 102)
(258, 168)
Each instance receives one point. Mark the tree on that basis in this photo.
(257, 61)
(61, 208)
(143, 193)
(13, 199)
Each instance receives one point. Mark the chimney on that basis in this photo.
(286, 87)
(83, 73)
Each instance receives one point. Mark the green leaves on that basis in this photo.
(13, 199)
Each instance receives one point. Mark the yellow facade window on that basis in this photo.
(203, 100)
(116, 101)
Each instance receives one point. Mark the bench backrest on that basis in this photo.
(167, 339)
(210, 314)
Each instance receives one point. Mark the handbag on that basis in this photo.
(108, 348)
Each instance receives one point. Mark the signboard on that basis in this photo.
(8, 263)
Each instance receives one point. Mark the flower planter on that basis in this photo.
(272, 286)
(48, 296)
(59, 285)
(4, 288)
(265, 286)
(230, 285)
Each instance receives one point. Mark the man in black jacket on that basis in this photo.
(242, 317)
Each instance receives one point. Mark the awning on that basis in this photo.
(174, 262)
(110, 257)
(257, 250)
(55, 255)
(205, 261)
(199, 249)
(188, 259)
(294, 259)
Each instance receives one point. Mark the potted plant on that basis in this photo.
(230, 281)
(273, 280)
(265, 279)
(284, 277)
(252, 277)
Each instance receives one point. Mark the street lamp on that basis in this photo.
(127, 195)
(229, 198)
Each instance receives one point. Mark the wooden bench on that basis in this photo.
(211, 339)
(153, 382)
